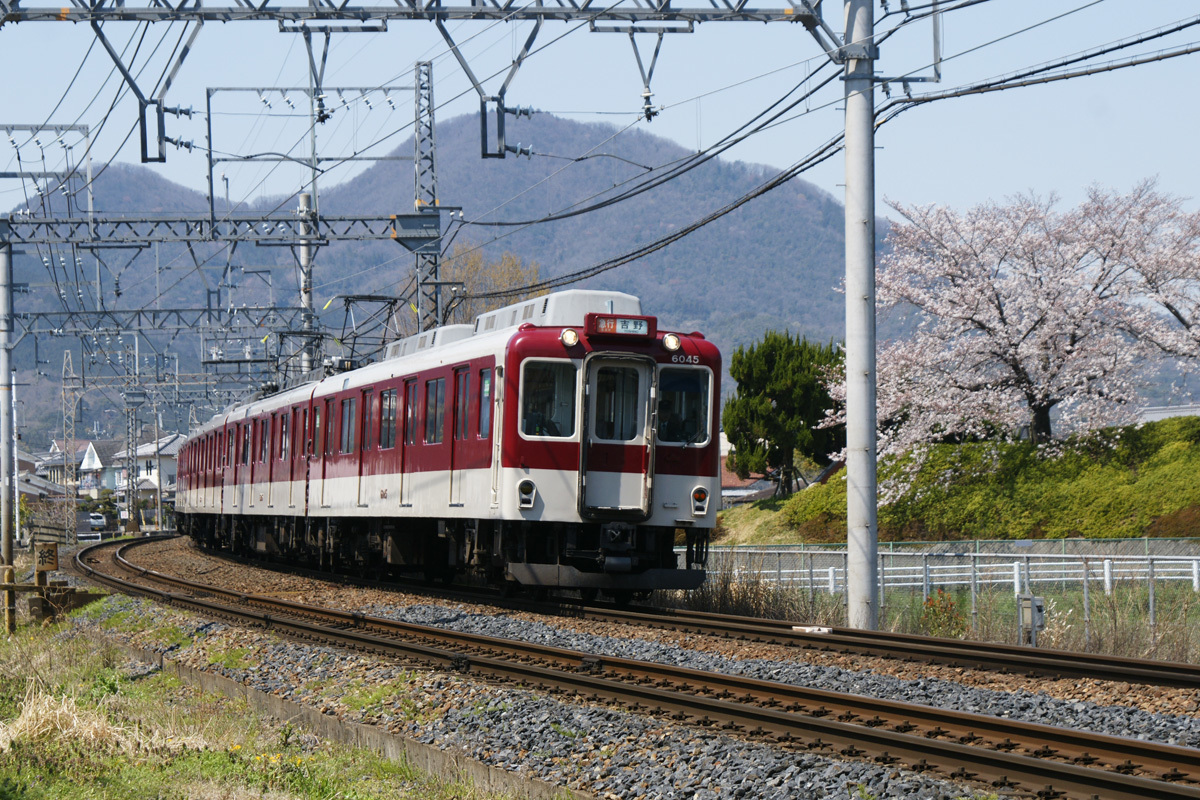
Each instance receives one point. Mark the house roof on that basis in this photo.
(168, 446)
(37, 486)
(107, 449)
(81, 446)
(730, 480)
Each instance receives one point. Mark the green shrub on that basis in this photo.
(1118, 483)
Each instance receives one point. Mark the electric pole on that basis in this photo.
(8, 464)
(862, 534)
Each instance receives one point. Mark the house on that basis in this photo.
(148, 480)
(100, 468)
(735, 490)
(51, 465)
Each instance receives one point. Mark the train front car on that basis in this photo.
(609, 452)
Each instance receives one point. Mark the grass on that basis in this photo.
(1116, 483)
(754, 523)
(75, 724)
(1117, 624)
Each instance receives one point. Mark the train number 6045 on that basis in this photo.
(679, 358)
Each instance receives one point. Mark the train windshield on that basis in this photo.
(618, 404)
(683, 405)
(548, 399)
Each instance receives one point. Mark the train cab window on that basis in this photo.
(435, 410)
(387, 419)
(618, 404)
(410, 412)
(683, 405)
(462, 403)
(485, 403)
(349, 423)
(548, 399)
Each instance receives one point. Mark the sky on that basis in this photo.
(1112, 129)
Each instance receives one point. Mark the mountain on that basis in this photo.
(774, 263)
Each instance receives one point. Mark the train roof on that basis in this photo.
(559, 309)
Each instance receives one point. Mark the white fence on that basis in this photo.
(825, 570)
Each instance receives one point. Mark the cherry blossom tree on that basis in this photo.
(1160, 246)
(1026, 318)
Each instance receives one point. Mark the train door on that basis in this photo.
(365, 461)
(616, 455)
(491, 417)
(327, 448)
(241, 472)
(460, 435)
(272, 455)
(299, 435)
(411, 417)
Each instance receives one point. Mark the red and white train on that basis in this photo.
(564, 441)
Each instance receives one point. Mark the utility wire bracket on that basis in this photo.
(494, 104)
(151, 108)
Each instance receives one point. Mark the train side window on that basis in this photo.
(283, 436)
(349, 423)
(683, 405)
(548, 399)
(410, 412)
(264, 439)
(485, 403)
(330, 441)
(462, 402)
(387, 419)
(314, 444)
(228, 449)
(245, 443)
(435, 410)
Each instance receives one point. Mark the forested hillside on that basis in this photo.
(774, 263)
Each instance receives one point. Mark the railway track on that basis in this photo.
(1004, 755)
(1003, 658)
(953, 652)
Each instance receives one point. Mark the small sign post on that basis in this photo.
(45, 559)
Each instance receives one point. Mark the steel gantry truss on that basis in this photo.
(631, 11)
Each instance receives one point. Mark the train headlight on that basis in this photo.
(569, 337)
(699, 501)
(526, 493)
(671, 342)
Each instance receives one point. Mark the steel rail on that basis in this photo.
(1004, 658)
(1002, 769)
(955, 652)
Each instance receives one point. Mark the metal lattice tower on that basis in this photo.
(70, 403)
(429, 287)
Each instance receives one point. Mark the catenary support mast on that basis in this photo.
(862, 542)
(8, 465)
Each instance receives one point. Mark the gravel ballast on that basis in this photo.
(596, 749)
(1020, 704)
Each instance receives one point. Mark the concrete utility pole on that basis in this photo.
(8, 464)
(862, 533)
(306, 299)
